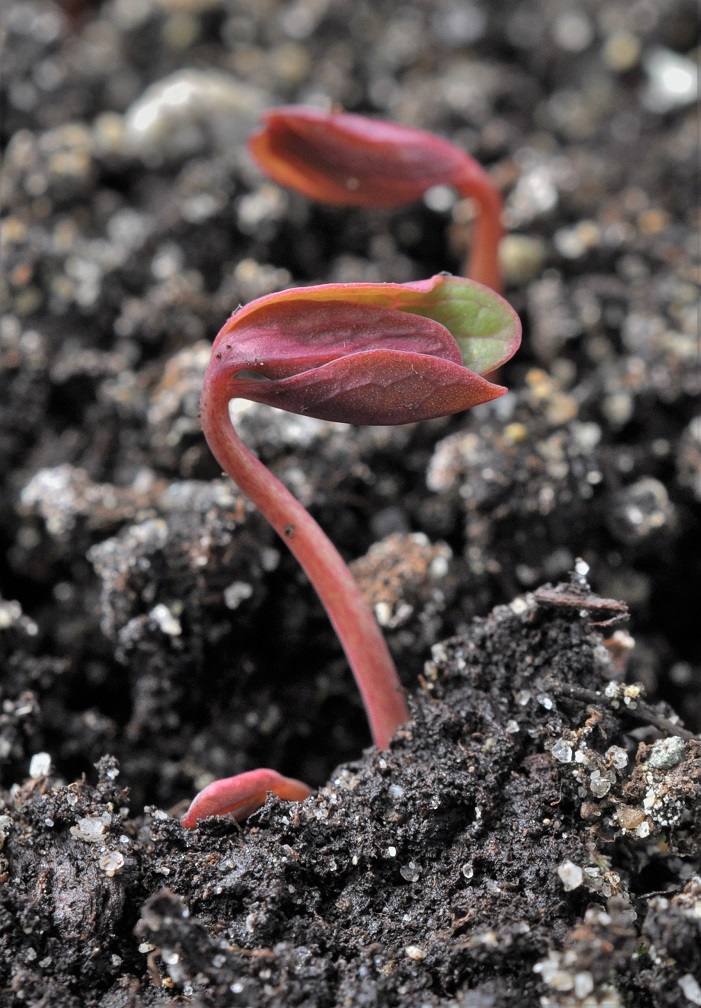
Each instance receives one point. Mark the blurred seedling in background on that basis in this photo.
(351, 160)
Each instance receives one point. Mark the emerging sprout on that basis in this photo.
(350, 160)
(241, 795)
(358, 353)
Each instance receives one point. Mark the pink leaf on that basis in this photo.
(367, 353)
(346, 159)
(375, 387)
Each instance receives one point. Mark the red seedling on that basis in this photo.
(350, 160)
(356, 353)
(241, 795)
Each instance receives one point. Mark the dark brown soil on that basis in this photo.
(532, 837)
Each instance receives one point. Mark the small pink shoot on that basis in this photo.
(351, 160)
(356, 353)
(242, 795)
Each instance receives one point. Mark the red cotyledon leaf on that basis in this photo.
(355, 363)
(382, 387)
(369, 353)
(285, 336)
(351, 160)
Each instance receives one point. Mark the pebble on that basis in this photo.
(573, 31)
(415, 952)
(191, 112)
(410, 872)
(574, 242)
(91, 829)
(562, 751)
(640, 511)
(165, 620)
(111, 863)
(571, 875)
(599, 785)
(666, 753)
(621, 51)
(690, 988)
(39, 765)
(673, 80)
(534, 195)
(522, 258)
(459, 24)
(629, 817)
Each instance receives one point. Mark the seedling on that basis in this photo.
(350, 160)
(355, 353)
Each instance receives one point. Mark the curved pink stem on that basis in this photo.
(348, 611)
(482, 263)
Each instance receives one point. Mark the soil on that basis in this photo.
(532, 836)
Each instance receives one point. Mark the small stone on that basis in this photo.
(621, 51)
(573, 31)
(518, 606)
(166, 621)
(576, 241)
(690, 988)
(108, 134)
(666, 753)
(629, 817)
(571, 875)
(618, 407)
(534, 194)
(522, 258)
(39, 765)
(440, 198)
(190, 112)
(459, 24)
(589, 811)
(515, 433)
(673, 80)
(583, 984)
(640, 511)
(91, 829)
(111, 863)
(414, 952)
(562, 751)
(255, 210)
(560, 409)
(617, 756)
(598, 784)
(10, 614)
(236, 593)
(410, 872)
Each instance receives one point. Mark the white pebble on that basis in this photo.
(571, 875)
(39, 765)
